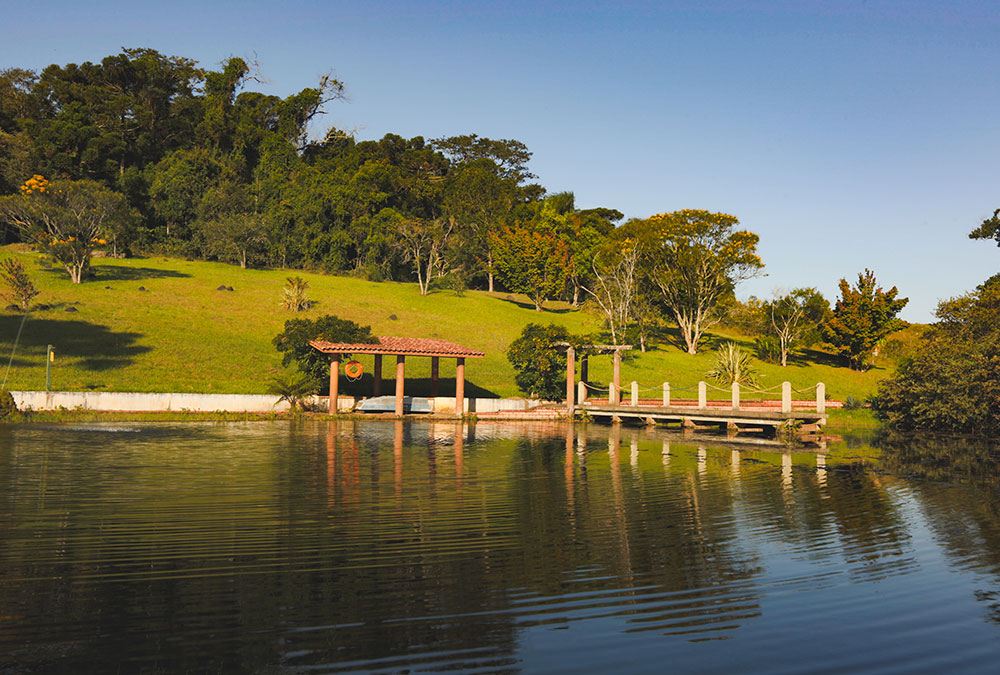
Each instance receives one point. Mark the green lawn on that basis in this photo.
(181, 334)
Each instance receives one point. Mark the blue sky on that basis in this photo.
(847, 135)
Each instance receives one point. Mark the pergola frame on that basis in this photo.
(585, 352)
(400, 348)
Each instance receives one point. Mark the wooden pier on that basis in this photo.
(734, 415)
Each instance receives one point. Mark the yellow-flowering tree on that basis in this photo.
(64, 220)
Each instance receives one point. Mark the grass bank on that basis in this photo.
(162, 325)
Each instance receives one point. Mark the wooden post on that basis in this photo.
(400, 376)
(702, 395)
(377, 374)
(635, 393)
(821, 398)
(666, 394)
(334, 382)
(460, 386)
(434, 376)
(786, 397)
(581, 391)
(616, 375)
(570, 383)
(584, 366)
(736, 395)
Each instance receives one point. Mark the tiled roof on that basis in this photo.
(399, 345)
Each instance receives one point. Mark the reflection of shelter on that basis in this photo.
(400, 348)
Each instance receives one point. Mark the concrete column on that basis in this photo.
(616, 375)
(434, 376)
(666, 394)
(570, 376)
(400, 376)
(786, 397)
(581, 392)
(612, 394)
(821, 398)
(334, 382)
(736, 395)
(635, 393)
(702, 395)
(460, 386)
(377, 374)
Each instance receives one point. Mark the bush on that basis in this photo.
(768, 348)
(293, 342)
(293, 295)
(733, 364)
(7, 404)
(540, 366)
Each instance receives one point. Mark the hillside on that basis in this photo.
(159, 324)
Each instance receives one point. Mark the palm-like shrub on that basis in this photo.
(734, 364)
(293, 295)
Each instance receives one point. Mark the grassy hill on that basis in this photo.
(158, 324)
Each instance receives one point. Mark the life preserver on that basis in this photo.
(353, 370)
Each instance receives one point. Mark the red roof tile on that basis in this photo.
(399, 345)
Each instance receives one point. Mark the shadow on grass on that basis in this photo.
(97, 346)
(105, 273)
(530, 305)
(414, 386)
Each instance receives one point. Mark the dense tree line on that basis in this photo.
(144, 152)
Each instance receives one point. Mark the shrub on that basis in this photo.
(768, 348)
(20, 289)
(540, 366)
(293, 342)
(733, 364)
(293, 295)
(7, 404)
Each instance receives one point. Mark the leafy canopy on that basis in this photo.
(863, 316)
(293, 343)
(540, 366)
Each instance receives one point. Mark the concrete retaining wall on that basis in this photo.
(139, 402)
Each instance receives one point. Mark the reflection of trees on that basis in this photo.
(960, 499)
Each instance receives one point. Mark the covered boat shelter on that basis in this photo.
(400, 348)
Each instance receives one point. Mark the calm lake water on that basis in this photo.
(311, 547)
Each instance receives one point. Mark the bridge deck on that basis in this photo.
(714, 415)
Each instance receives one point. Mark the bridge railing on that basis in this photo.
(614, 397)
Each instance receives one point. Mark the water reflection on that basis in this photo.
(305, 546)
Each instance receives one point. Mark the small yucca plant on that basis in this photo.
(293, 295)
(733, 364)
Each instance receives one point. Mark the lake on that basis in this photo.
(315, 547)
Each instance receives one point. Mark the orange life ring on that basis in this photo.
(353, 369)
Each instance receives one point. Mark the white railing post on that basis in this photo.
(666, 394)
(702, 395)
(736, 395)
(635, 393)
(611, 394)
(786, 397)
(581, 392)
(821, 398)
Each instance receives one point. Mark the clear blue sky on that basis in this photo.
(846, 134)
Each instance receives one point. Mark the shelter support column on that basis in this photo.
(434, 376)
(616, 376)
(400, 376)
(570, 384)
(334, 382)
(460, 386)
(377, 374)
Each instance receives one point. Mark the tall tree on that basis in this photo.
(863, 316)
(696, 258)
(794, 314)
(988, 229)
(531, 261)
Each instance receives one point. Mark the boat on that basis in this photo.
(387, 404)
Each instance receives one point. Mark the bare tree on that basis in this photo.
(615, 287)
(423, 243)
